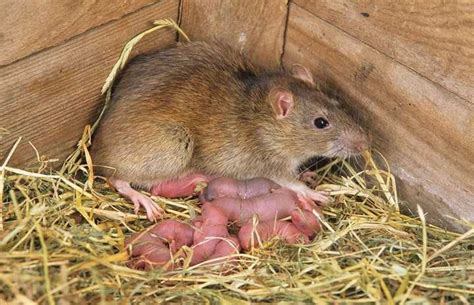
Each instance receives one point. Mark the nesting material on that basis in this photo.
(62, 241)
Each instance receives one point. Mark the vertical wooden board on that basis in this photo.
(253, 27)
(27, 27)
(434, 38)
(49, 97)
(424, 130)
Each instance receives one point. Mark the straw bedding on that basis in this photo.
(62, 241)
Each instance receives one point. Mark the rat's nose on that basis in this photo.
(361, 145)
(357, 142)
(362, 140)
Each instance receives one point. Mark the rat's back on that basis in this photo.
(164, 107)
(192, 68)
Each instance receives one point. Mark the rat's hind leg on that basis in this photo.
(142, 158)
(153, 211)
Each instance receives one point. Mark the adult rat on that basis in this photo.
(198, 110)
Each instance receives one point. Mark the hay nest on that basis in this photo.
(62, 240)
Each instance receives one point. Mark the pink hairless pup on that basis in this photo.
(228, 201)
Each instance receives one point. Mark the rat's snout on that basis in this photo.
(355, 142)
(360, 144)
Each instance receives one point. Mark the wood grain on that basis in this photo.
(49, 97)
(434, 38)
(254, 27)
(425, 131)
(27, 27)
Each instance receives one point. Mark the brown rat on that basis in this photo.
(203, 108)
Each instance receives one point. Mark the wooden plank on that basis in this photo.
(434, 38)
(30, 26)
(424, 130)
(253, 27)
(49, 97)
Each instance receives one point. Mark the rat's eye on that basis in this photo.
(321, 123)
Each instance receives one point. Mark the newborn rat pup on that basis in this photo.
(155, 246)
(185, 114)
(211, 237)
(250, 236)
(228, 187)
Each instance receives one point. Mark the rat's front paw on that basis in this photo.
(313, 200)
(306, 196)
(309, 178)
(318, 196)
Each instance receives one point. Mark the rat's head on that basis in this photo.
(310, 123)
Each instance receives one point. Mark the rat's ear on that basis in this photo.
(282, 102)
(302, 73)
(335, 102)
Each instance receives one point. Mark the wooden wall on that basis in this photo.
(254, 27)
(408, 67)
(55, 56)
